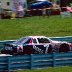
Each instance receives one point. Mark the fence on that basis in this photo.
(67, 38)
(35, 61)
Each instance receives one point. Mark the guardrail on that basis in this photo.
(34, 61)
(66, 38)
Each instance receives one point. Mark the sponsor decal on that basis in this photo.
(8, 48)
(37, 49)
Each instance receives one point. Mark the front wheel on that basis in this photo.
(3, 52)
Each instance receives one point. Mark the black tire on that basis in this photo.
(64, 47)
(3, 52)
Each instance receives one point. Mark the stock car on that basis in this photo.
(36, 45)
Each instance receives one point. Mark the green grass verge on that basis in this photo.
(55, 69)
(52, 26)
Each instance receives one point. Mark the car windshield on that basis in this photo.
(21, 40)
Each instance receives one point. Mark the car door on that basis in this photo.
(28, 47)
(42, 45)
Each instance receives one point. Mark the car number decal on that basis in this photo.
(47, 46)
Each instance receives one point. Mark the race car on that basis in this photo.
(36, 45)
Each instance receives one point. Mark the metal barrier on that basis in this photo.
(35, 61)
(67, 38)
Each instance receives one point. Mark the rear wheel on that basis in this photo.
(64, 47)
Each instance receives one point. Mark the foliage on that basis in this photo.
(29, 1)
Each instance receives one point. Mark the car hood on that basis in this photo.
(10, 44)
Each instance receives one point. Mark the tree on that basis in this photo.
(30, 1)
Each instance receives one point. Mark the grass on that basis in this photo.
(52, 26)
(55, 69)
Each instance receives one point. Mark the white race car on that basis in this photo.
(36, 45)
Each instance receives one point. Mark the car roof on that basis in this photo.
(37, 36)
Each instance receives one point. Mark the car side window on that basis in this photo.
(43, 40)
(34, 41)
